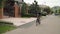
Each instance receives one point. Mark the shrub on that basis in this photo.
(3, 22)
(26, 15)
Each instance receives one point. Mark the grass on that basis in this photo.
(6, 27)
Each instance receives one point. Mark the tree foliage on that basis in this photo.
(48, 10)
(1, 1)
(34, 8)
(23, 9)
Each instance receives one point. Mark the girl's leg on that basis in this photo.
(36, 22)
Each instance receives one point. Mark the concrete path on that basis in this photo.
(50, 25)
(18, 21)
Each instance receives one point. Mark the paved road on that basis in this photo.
(50, 25)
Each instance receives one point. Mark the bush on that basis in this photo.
(29, 15)
(44, 13)
(26, 15)
(3, 22)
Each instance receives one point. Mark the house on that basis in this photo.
(13, 9)
(56, 9)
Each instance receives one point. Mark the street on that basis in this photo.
(49, 25)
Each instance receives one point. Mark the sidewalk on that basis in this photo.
(19, 21)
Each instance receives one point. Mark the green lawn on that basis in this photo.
(4, 28)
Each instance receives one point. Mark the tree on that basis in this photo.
(48, 10)
(34, 8)
(23, 9)
(59, 11)
(1, 3)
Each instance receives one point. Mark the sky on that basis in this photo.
(50, 3)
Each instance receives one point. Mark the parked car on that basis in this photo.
(56, 13)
